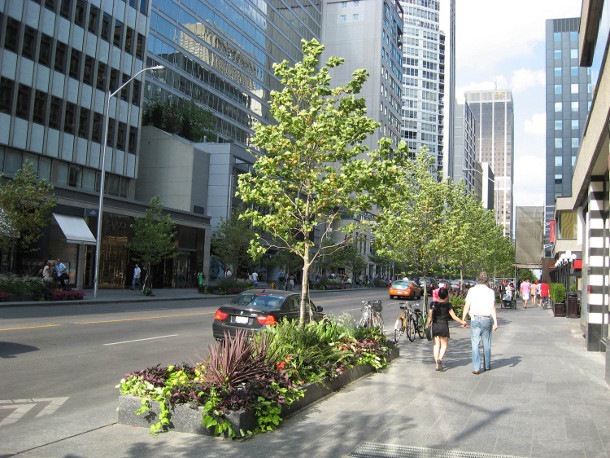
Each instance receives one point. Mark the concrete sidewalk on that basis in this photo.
(545, 397)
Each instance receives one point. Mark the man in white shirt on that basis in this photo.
(481, 303)
(137, 272)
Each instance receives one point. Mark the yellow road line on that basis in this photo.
(30, 327)
(144, 318)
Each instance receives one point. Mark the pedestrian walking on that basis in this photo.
(440, 312)
(137, 272)
(533, 293)
(525, 292)
(481, 305)
(47, 272)
(544, 294)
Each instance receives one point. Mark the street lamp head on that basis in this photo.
(157, 67)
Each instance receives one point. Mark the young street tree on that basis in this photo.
(25, 206)
(314, 167)
(153, 239)
(231, 241)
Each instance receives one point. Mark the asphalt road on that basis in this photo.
(60, 364)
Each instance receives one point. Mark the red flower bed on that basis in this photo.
(58, 295)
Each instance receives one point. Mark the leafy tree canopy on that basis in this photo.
(25, 207)
(231, 242)
(315, 168)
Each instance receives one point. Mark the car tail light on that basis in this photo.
(220, 315)
(269, 320)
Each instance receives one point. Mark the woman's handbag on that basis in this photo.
(429, 334)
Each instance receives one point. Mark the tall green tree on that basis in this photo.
(344, 256)
(153, 239)
(25, 208)
(231, 242)
(315, 168)
(410, 222)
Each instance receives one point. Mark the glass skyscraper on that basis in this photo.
(424, 78)
(220, 55)
(568, 99)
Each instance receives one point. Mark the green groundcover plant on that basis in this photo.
(259, 374)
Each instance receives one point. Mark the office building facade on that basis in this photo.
(464, 163)
(494, 115)
(58, 62)
(424, 78)
(568, 98)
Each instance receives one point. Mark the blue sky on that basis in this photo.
(502, 44)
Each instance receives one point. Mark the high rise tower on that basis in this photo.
(424, 73)
(494, 115)
(568, 99)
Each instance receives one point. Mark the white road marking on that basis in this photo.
(140, 340)
(55, 403)
(20, 411)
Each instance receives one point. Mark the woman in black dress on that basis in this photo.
(440, 313)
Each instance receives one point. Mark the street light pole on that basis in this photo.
(100, 209)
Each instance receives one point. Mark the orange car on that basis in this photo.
(405, 288)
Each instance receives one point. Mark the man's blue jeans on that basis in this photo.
(480, 329)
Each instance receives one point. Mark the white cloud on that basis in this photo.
(525, 78)
(529, 180)
(489, 32)
(536, 125)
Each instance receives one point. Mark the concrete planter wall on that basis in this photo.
(186, 418)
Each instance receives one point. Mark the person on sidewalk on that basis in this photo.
(481, 304)
(544, 295)
(440, 312)
(137, 272)
(525, 292)
(61, 273)
(533, 293)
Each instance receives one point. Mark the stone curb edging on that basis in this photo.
(185, 418)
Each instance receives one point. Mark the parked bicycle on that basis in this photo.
(371, 315)
(410, 321)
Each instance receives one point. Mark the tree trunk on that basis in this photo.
(304, 285)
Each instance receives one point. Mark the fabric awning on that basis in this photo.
(75, 229)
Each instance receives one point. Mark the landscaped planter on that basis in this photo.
(186, 418)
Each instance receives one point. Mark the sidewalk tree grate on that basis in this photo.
(376, 450)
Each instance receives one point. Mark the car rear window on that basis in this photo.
(401, 283)
(258, 300)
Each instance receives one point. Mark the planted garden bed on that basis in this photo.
(249, 386)
(187, 418)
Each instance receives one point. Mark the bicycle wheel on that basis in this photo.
(399, 328)
(364, 320)
(411, 329)
(421, 326)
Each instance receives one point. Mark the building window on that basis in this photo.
(558, 161)
(122, 134)
(558, 178)
(30, 37)
(558, 125)
(573, 53)
(129, 40)
(557, 54)
(140, 46)
(23, 101)
(79, 15)
(558, 89)
(74, 176)
(50, 5)
(135, 95)
(557, 37)
(56, 110)
(46, 44)
(106, 24)
(574, 107)
(573, 71)
(6, 95)
(343, 18)
(83, 125)
(557, 71)
(40, 107)
(96, 134)
(558, 143)
(70, 119)
(11, 39)
(133, 139)
(573, 36)
(574, 88)
(114, 80)
(61, 51)
(355, 17)
(558, 107)
(88, 75)
(575, 124)
(66, 8)
(75, 58)
(575, 142)
(118, 34)
(102, 75)
(573, 160)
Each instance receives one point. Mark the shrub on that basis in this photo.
(557, 292)
(11, 283)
